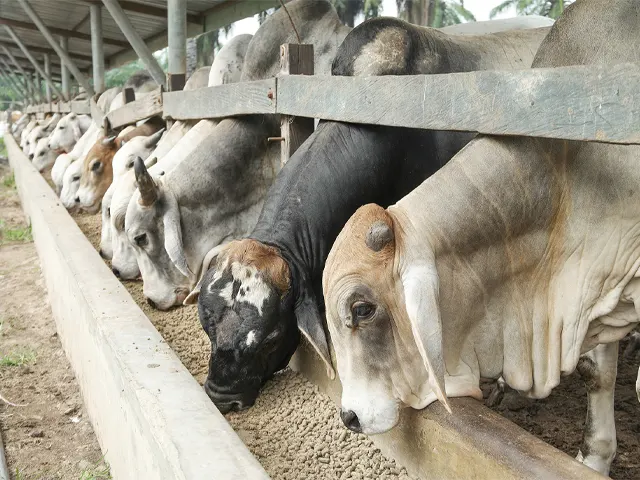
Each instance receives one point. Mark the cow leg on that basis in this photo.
(598, 369)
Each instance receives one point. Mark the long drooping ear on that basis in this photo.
(173, 235)
(421, 296)
(310, 325)
(77, 133)
(152, 140)
(209, 258)
(146, 185)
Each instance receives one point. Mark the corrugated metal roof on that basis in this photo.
(73, 15)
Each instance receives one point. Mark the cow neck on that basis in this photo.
(338, 169)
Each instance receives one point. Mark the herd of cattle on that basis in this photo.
(435, 257)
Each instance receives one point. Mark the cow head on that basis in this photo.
(140, 146)
(59, 168)
(384, 322)
(123, 259)
(43, 156)
(71, 184)
(246, 306)
(106, 243)
(66, 133)
(36, 134)
(97, 173)
(152, 226)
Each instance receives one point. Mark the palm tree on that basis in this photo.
(348, 10)
(433, 13)
(547, 8)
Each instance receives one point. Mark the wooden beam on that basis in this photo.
(591, 103)
(59, 31)
(295, 60)
(222, 101)
(36, 49)
(48, 35)
(144, 9)
(147, 106)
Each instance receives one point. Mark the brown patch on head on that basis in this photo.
(100, 180)
(366, 242)
(266, 259)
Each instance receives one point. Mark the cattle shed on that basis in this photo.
(151, 417)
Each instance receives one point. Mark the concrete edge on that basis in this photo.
(151, 417)
(472, 443)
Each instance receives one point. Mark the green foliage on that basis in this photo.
(348, 10)
(14, 234)
(117, 77)
(9, 181)
(434, 13)
(546, 8)
(3, 148)
(17, 359)
(99, 471)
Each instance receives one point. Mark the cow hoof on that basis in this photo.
(594, 462)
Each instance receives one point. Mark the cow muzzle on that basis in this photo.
(228, 402)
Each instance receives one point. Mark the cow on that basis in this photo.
(216, 194)
(68, 131)
(25, 133)
(256, 290)
(43, 156)
(97, 168)
(226, 68)
(519, 258)
(138, 146)
(166, 143)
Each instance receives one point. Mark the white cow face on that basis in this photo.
(141, 146)
(36, 134)
(106, 248)
(66, 134)
(59, 168)
(152, 225)
(71, 184)
(43, 156)
(384, 326)
(123, 260)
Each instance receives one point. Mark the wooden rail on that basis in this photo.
(589, 103)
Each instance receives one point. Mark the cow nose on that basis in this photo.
(152, 303)
(77, 199)
(116, 272)
(31, 156)
(101, 252)
(350, 420)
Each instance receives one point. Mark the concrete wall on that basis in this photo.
(151, 417)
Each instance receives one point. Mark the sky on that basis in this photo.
(479, 8)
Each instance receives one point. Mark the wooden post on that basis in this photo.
(64, 71)
(295, 59)
(47, 70)
(97, 50)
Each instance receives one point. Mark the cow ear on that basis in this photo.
(421, 297)
(310, 325)
(173, 235)
(77, 133)
(209, 259)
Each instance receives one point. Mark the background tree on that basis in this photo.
(546, 8)
(434, 13)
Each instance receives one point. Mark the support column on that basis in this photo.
(177, 31)
(97, 49)
(64, 71)
(47, 69)
(136, 41)
(53, 44)
(38, 86)
(33, 61)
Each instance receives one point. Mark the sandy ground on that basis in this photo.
(295, 431)
(51, 437)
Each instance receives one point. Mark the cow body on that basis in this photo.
(216, 194)
(340, 167)
(519, 258)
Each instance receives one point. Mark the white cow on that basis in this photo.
(68, 131)
(43, 156)
(520, 258)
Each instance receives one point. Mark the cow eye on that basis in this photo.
(75, 178)
(362, 310)
(96, 166)
(141, 240)
(108, 212)
(130, 165)
(60, 127)
(40, 154)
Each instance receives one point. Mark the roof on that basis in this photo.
(149, 17)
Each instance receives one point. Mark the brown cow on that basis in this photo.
(97, 169)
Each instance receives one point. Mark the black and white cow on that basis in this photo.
(261, 290)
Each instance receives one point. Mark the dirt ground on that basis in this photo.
(50, 437)
(289, 398)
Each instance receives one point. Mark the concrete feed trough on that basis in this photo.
(153, 419)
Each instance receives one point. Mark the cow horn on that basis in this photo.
(109, 140)
(154, 139)
(146, 185)
(380, 234)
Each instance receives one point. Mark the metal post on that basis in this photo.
(177, 31)
(38, 85)
(62, 54)
(96, 47)
(47, 69)
(64, 71)
(27, 54)
(141, 49)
